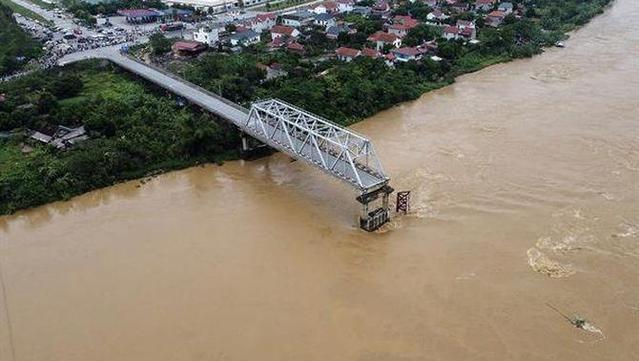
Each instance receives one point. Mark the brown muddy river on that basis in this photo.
(525, 180)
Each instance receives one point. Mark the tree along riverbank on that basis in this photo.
(136, 129)
(347, 92)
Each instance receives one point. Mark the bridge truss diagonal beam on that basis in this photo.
(336, 150)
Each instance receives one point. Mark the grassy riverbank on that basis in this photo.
(134, 130)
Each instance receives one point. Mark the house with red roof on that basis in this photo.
(371, 53)
(347, 54)
(407, 54)
(325, 7)
(381, 9)
(283, 30)
(402, 24)
(458, 32)
(382, 39)
(495, 18)
(187, 48)
(261, 22)
(295, 47)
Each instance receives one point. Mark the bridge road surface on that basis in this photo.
(236, 114)
(193, 93)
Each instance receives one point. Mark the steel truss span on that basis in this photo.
(337, 151)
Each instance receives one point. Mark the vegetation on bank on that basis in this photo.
(347, 92)
(16, 46)
(134, 130)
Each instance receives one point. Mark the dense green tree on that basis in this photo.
(159, 43)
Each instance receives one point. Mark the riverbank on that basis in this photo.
(348, 91)
(126, 146)
(133, 130)
(518, 170)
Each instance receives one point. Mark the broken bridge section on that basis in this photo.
(329, 147)
(335, 150)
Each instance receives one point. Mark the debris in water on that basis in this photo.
(579, 322)
(539, 262)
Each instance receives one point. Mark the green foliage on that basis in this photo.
(235, 77)
(421, 33)
(160, 43)
(15, 43)
(133, 131)
(416, 9)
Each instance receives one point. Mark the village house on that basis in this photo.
(485, 5)
(456, 32)
(371, 53)
(436, 16)
(381, 9)
(506, 7)
(468, 29)
(334, 31)
(283, 31)
(347, 54)
(459, 6)
(187, 48)
(325, 20)
(206, 35)
(262, 22)
(298, 19)
(430, 3)
(326, 7)
(407, 54)
(402, 24)
(495, 18)
(295, 47)
(345, 6)
(273, 71)
(382, 39)
(389, 59)
(62, 138)
(278, 43)
(364, 11)
(244, 38)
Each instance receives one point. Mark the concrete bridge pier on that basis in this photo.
(252, 148)
(375, 209)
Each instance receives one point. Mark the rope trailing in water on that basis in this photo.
(577, 321)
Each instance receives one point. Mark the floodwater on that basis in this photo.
(525, 181)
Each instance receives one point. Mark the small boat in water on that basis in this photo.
(560, 44)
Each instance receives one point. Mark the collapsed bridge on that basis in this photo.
(333, 149)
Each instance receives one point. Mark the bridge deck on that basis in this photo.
(355, 173)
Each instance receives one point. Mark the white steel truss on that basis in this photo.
(328, 146)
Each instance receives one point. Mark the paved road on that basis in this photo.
(193, 93)
(359, 176)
